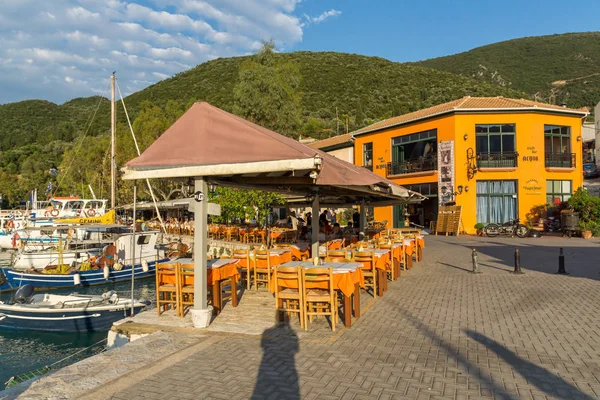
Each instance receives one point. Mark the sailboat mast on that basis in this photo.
(113, 126)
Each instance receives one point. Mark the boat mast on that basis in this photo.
(113, 126)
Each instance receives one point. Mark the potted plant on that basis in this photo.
(586, 231)
(479, 226)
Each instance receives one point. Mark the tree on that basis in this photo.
(267, 91)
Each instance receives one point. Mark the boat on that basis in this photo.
(113, 264)
(65, 313)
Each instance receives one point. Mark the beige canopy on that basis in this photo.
(229, 150)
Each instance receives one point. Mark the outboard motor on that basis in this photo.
(23, 294)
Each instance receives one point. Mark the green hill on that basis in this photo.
(558, 68)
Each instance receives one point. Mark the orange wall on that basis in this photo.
(531, 176)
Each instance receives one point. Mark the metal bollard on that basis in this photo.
(517, 262)
(561, 263)
(475, 265)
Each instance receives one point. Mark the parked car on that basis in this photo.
(590, 171)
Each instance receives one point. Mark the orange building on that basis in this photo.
(497, 157)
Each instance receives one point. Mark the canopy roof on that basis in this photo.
(228, 150)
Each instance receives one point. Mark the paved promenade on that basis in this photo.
(440, 332)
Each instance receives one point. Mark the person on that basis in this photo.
(309, 219)
(336, 233)
(323, 216)
(356, 219)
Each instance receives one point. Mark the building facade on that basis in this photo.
(499, 158)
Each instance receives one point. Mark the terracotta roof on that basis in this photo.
(332, 141)
(468, 103)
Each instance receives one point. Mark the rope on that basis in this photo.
(77, 352)
(89, 125)
(162, 224)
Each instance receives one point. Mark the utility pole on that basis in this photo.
(337, 118)
(113, 127)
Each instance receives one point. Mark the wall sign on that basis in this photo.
(446, 170)
(532, 187)
(198, 196)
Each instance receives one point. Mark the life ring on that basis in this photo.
(54, 212)
(91, 212)
(10, 224)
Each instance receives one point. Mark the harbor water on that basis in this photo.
(24, 351)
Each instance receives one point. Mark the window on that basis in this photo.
(414, 153)
(558, 191)
(368, 155)
(143, 239)
(495, 146)
(496, 201)
(426, 189)
(557, 146)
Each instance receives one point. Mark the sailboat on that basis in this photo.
(132, 254)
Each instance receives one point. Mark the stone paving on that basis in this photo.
(440, 332)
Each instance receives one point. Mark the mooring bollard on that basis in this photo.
(561, 263)
(517, 262)
(475, 265)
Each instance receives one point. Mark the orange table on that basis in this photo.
(277, 257)
(300, 251)
(347, 278)
(218, 270)
(383, 262)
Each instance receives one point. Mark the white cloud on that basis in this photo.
(61, 49)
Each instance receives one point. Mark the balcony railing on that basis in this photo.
(560, 160)
(497, 160)
(411, 166)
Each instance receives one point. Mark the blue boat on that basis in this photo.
(65, 313)
(79, 278)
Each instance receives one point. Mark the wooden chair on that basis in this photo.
(282, 246)
(318, 301)
(288, 300)
(262, 274)
(367, 259)
(166, 287)
(247, 269)
(336, 256)
(185, 288)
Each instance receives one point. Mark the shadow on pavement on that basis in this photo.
(542, 257)
(540, 377)
(453, 352)
(277, 376)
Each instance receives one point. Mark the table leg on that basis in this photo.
(409, 261)
(356, 301)
(381, 282)
(347, 312)
(234, 297)
(419, 253)
(216, 289)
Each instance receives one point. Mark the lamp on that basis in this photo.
(579, 138)
(212, 187)
(466, 188)
(460, 189)
(466, 136)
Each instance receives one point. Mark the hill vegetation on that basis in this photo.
(560, 69)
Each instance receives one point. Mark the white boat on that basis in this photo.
(68, 207)
(65, 313)
(88, 247)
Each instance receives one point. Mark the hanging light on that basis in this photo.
(212, 187)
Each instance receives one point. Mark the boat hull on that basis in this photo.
(39, 260)
(64, 320)
(87, 278)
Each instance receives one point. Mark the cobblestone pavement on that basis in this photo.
(440, 332)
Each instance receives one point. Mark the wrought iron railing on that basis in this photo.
(560, 160)
(411, 166)
(497, 160)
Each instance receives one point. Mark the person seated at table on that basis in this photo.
(349, 226)
(304, 235)
(322, 235)
(336, 232)
(327, 228)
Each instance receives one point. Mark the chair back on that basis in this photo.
(186, 275)
(367, 258)
(318, 276)
(166, 274)
(287, 277)
(282, 246)
(263, 255)
(336, 256)
(242, 255)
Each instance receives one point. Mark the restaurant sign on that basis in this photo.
(446, 170)
(532, 187)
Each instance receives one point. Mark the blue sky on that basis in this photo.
(60, 49)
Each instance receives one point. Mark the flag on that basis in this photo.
(49, 188)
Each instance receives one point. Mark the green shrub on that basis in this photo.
(479, 225)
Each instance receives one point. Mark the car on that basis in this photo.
(590, 170)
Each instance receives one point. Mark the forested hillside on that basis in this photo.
(557, 68)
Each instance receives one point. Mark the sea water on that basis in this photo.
(24, 351)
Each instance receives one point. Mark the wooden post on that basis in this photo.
(315, 226)
(200, 242)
